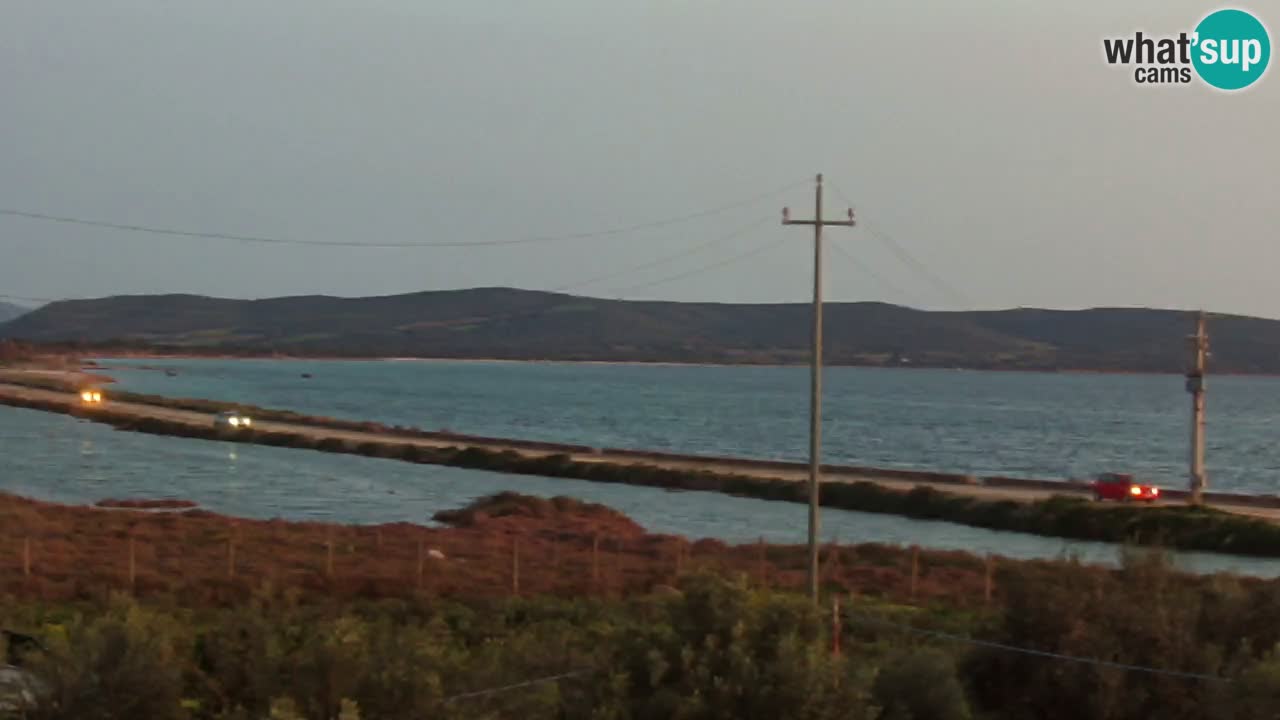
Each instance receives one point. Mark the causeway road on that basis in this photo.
(984, 488)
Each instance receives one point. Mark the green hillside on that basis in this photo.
(518, 324)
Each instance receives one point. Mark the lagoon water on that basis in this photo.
(1040, 425)
(1024, 424)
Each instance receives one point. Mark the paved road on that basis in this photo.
(742, 467)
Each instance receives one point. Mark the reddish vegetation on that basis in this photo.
(498, 545)
(146, 504)
(508, 512)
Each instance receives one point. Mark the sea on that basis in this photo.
(1041, 425)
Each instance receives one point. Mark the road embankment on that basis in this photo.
(1236, 524)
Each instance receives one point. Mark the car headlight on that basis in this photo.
(1135, 490)
(234, 422)
(97, 397)
(246, 422)
(86, 396)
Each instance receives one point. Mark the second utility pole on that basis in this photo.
(1195, 385)
(815, 388)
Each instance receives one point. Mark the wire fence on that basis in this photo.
(204, 557)
(201, 556)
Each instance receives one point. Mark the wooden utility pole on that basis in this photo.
(1195, 385)
(815, 383)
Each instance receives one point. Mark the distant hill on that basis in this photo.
(9, 311)
(504, 323)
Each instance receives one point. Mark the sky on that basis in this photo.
(986, 141)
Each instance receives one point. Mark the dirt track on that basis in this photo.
(741, 467)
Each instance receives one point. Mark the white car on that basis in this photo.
(233, 420)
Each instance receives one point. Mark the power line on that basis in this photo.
(666, 259)
(705, 268)
(871, 273)
(901, 252)
(20, 298)
(563, 288)
(907, 258)
(154, 230)
(515, 686)
(1039, 653)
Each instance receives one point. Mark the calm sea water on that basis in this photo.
(1038, 425)
(64, 459)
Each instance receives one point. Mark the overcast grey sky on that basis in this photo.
(988, 137)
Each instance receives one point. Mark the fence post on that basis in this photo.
(835, 626)
(986, 589)
(595, 562)
(515, 566)
(915, 569)
(420, 561)
(26, 556)
(328, 567)
(762, 563)
(133, 567)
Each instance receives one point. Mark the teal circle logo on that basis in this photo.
(1232, 49)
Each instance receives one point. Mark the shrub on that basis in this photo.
(720, 651)
(920, 685)
(126, 663)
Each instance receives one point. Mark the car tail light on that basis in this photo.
(1135, 490)
(1155, 491)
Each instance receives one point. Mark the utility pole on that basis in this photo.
(1195, 385)
(815, 385)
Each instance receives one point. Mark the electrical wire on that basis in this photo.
(515, 686)
(704, 268)
(1037, 653)
(21, 298)
(901, 252)
(906, 628)
(905, 256)
(664, 260)
(150, 229)
(870, 272)
(575, 285)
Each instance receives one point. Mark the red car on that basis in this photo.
(1116, 486)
